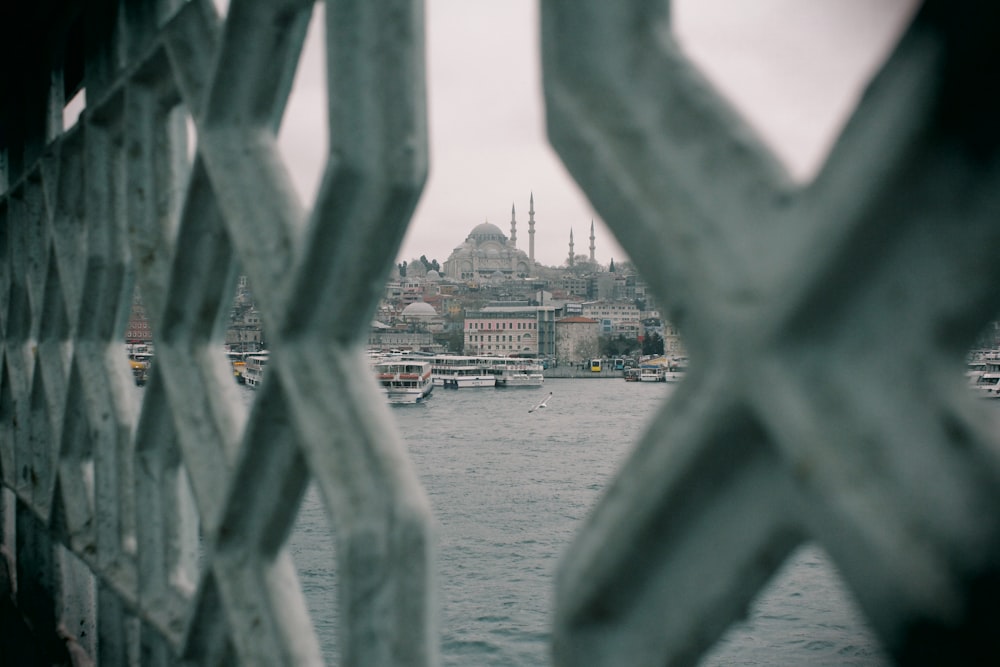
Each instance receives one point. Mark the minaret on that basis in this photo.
(570, 247)
(513, 228)
(531, 229)
(592, 246)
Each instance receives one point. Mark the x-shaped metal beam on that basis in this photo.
(825, 326)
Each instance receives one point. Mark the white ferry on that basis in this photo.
(405, 381)
(987, 385)
(253, 372)
(651, 374)
(515, 371)
(675, 369)
(457, 372)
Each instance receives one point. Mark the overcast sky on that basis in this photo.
(794, 68)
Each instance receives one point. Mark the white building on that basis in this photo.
(616, 317)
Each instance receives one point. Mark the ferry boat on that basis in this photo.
(140, 359)
(253, 372)
(238, 362)
(651, 374)
(457, 372)
(675, 369)
(515, 371)
(405, 380)
(987, 384)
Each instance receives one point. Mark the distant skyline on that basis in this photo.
(793, 68)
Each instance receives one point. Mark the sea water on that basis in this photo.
(510, 488)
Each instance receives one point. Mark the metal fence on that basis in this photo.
(826, 326)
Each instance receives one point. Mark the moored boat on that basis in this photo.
(253, 372)
(651, 374)
(985, 379)
(405, 381)
(515, 371)
(458, 372)
(675, 369)
(140, 359)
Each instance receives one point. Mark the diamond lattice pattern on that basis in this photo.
(825, 324)
(116, 202)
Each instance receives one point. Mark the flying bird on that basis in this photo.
(542, 404)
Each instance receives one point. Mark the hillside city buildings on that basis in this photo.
(490, 297)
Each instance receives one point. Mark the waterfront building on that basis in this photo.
(138, 330)
(673, 346)
(502, 331)
(383, 337)
(508, 330)
(616, 317)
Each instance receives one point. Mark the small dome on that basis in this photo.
(432, 276)
(419, 309)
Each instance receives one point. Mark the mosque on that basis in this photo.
(488, 254)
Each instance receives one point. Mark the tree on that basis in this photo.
(652, 344)
(402, 269)
(455, 341)
(582, 264)
(615, 346)
(611, 269)
(428, 264)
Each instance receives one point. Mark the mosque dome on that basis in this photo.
(432, 276)
(419, 310)
(486, 231)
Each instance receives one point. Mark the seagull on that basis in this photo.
(542, 404)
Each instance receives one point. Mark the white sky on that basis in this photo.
(794, 68)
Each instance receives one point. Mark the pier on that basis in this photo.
(567, 371)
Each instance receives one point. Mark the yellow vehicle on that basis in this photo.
(595, 365)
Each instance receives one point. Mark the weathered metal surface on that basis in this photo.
(115, 203)
(826, 326)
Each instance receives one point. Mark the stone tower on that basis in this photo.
(513, 227)
(531, 228)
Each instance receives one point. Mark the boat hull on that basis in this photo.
(409, 396)
(521, 380)
(465, 381)
(404, 382)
